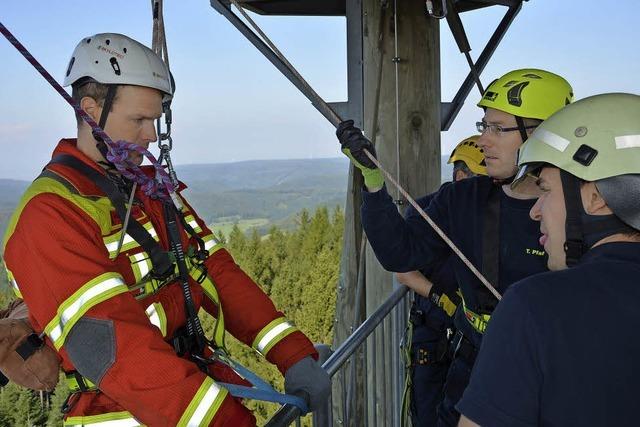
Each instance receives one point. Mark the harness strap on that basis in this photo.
(490, 248)
(194, 327)
(574, 245)
(161, 262)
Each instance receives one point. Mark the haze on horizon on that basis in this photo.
(231, 104)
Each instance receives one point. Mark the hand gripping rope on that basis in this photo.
(335, 120)
(118, 152)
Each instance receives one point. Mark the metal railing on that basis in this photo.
(358, 366)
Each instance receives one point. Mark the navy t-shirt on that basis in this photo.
(442, 277)
(562, 347)
(459, 209)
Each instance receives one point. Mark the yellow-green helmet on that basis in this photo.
(528, 93)
(595, 139)
(467, 151)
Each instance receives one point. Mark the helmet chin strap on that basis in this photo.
(582, 230)
(106, 107)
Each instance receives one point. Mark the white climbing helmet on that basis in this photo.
(111, 58)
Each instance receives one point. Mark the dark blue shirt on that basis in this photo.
(562, 347)
(459, 209)
(443, 277)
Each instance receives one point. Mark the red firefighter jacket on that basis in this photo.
(61, 254)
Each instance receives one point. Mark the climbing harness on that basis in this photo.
(335, 120)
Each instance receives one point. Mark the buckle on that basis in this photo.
(456, 341)
(416, 316)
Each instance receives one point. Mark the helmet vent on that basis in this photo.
(115, 65)
(73, 59)
(124, 49)
(107, 41)
(88, 41)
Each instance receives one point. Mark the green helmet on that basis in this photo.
(595, 139)
(528, 93)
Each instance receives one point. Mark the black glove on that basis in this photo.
(308, 380)
(353, 143)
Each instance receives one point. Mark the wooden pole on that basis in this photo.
(406, 132)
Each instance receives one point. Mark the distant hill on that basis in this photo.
(10, 192)
(270, 190)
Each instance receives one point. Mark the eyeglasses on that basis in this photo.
(483, 126)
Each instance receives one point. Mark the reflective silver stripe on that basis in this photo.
(131, 422)
(273, 333)
(209, 242)
(114, 419)
(14, 284)
(553, 140)
(204, 406)
(152, 314)
(95, 293)
(142, 264)
(113, 246)
(627, 141)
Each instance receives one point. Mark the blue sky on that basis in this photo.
(231, 104)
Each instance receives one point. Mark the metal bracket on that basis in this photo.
(450, 110)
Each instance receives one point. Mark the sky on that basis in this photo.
(231, 104)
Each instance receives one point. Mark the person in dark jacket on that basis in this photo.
(487, 220)
(571, 358)
(431, 316)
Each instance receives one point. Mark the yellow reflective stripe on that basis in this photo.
(204, 405)
(211, 292)
(191, 220)
(211, 244)
(272, 334)
(111, 242)
(92, 293)
(13, 283)
(141, 265)
(478, 321)
(158, 317)
(111, 419)
(74, 386)
(99, 210)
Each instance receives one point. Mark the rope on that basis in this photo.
(118, 151)
(335, 120)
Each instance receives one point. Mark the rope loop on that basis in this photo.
(160, 185)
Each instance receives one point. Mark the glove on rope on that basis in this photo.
(353, 145)
(24, 359)
(308, 380)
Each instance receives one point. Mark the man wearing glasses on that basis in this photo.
(483, 216)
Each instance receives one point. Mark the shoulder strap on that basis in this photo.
(491, 245)
(162, 265)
